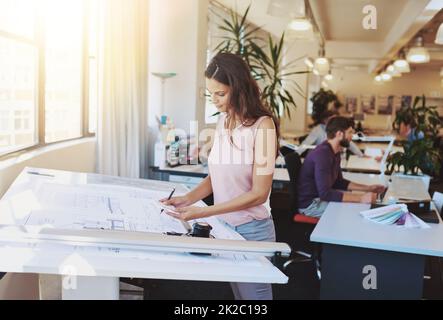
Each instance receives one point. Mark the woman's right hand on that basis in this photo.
(178, 202)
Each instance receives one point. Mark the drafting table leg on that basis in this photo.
(90, 288)
(347, 271)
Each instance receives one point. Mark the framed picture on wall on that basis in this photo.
(368, 104)
(386, 104)
(351, 104)
(406, 102)
(436, 102)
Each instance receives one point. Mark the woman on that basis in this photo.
(241, 163)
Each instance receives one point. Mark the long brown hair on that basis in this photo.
(245, 96)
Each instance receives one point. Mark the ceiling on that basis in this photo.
(347, 42)
(341, 20)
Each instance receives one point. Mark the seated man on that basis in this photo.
(321, 181)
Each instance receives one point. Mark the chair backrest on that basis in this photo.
(438, 200)
(293, 165)
(285, 151)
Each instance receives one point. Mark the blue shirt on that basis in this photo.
(321, 177)
(413, 136)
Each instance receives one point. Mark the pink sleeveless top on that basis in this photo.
(231, 170)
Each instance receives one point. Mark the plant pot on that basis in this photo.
(424, 177)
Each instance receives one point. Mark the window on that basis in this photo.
(18, 17)
(43, 63)
(215, 18)
(63, 61)
(94, 19)
(18, 94)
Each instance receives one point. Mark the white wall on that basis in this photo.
(177, 43)
(78, 156)
(297, 50)
(178, 38)
(414, 83)
(358, 83)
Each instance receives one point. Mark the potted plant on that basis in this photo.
(265, 59)
(420, 155)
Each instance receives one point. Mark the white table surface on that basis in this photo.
(281, 174)
(25, 258)
(341, 224)
(364, 164)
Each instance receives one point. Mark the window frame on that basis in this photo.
(39, 43)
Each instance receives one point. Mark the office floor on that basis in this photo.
(302, 285)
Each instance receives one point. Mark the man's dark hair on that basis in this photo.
(337, 124)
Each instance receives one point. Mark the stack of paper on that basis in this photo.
(373, 152)
(396, 214)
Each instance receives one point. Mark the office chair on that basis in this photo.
(303, 225)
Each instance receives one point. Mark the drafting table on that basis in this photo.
(120, 253)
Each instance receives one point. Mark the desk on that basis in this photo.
(357, 164)
(378, 145)
(97, 270)
(282, 175)
(350, 243)
(294, 135)
(192, 175)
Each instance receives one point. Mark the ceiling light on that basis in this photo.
(439, 37)
(397, 74)
(378, 78)
(321, 63)
(329, 76)
(300, 24)
(391, 69)
(322, 66)
(386, 77)
(309, 63)
(402, 65)
(418, 53)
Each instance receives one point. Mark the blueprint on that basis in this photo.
(105, 207)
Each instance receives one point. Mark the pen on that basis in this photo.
(40, 174)
(169, 198)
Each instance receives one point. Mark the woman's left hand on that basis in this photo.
(187, 213)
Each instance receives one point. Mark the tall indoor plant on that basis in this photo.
(419, 155)
(265, 58)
